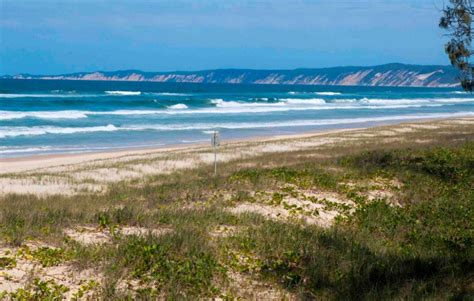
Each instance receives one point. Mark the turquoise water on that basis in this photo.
(40, 117)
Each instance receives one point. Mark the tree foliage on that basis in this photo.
(457, 20)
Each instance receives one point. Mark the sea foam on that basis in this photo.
(124, 93)
(227, 108)
(328, 93)
(42, 130)
(179, 106)
(303, 101)
(9, 115)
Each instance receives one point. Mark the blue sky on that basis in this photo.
(61, 36)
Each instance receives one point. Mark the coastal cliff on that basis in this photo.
(400, 75)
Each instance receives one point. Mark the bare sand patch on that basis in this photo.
(87, 235)
(291, 210)
(24, 271)
(388, 133)
(265, 210)
(140, 231)
(46, 187)
(465, 121)
(247, 288)
(407, 129)
(425, 126)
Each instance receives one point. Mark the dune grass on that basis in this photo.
(418, 245)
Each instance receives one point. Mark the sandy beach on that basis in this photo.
(73, 173)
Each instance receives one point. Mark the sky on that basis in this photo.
(63, 36)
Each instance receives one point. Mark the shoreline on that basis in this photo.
(26, 163)
(40, 161)
(71, 174)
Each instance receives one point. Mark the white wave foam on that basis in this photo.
(42, 130)
(384, 101)
(302, 101)
(171, 94)
(277, 107)
(363, 103)
(53, 95)
(179, 106)
(220, 103)
(123, 92)
(9, 115)
(328, 93)
(234, 107)
(127, 112)
(317, 93)
(205, 127)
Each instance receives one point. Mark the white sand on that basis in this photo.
(92, 172)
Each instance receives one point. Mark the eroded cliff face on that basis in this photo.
(384, 75)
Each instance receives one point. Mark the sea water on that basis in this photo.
(43, 117)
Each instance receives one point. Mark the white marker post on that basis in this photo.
(215, 142)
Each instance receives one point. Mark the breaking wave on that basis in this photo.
(179, 106)
(9, 115)
(123, 92)
(300, 101)
(327, 93)
(317, 93)
(227, 108)
(43, 130)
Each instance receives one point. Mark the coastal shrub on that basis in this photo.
(303, 176)
(48, 256)
(178, 264)
(421, 250)
(7, 262)
(38, 290)
(349, 265)
(450, 164)
(123, 215)
(13, 227)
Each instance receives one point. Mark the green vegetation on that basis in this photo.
(414, 242)
(424, 248)
(7, 262)
(48, 256)
(38, 290)
(457, 20)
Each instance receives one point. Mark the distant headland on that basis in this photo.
(392, 75)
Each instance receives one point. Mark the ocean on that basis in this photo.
(47, 117)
